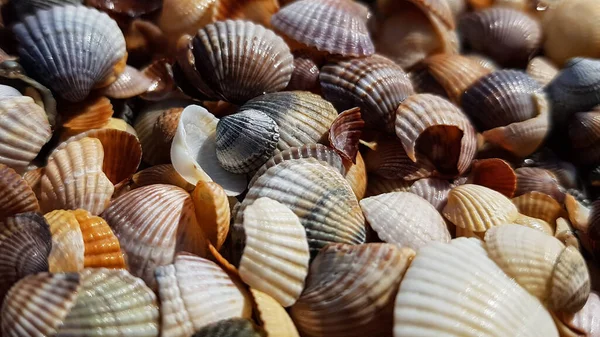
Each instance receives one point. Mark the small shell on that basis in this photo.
(235, 61)
(102, 248)
(233, 327)
(539, 205)
(496, 174)
(444, 133)
(534, 223)
(92, 113)
(579, 215)
(246, 140)
(71, 48)
(212, 211)
(305, 75)
(445, 281)
(584, 128)
(586, 320)
(74, 179)
(350, 290)
(129, 84)
(15, 194)
(531, 179)
(378, 185)
(356, 176)
(435, 191)
(179, 17)
(374, 84)
(152, 237)
(163, 85)
(275, 319)
(326, 26)
(187, 288)
(256, 11)
(345, 132)
(160, 174)
(68, 249)
(508, 36)
(390, 161)
(542, 70)
(478, 208)
(275, 258)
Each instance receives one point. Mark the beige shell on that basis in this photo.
(456, 290)
(275, 320)
(478, 208)
(542, 70)
(160, 174)
(404, 219)
(534, 223)
(276, 255)
(67, 242)
(74, 179)
(356, 175)
(130, 83)
(539, 205)
(180, 17)
(350, 290)
(195, 292)
(15, 194)
(579, 215)
(212, 211)
(566, 234)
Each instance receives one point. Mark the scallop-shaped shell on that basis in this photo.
(542, 70)
(16, 196)
(374, 84)
(303, 118)
(187, 290)
(68, 248)
(445, 281)
(328, 26)
(246, 140)
(531, 179)
(539, 205)
(102, 248)
(74, 179)
(27, 7)
(356, 176)
(404, 219)
(72, 49)
(163, 84)
(435, 191)
(478, 208)
(444, 132)
(256, 11)
(130, 83)
(25, 243)
(235, 61)
(534, 223)
(390, 161)
(160, 174)
(570, 282)
(179, 17)
(92, 113)
(377, 185)
(19, 116)
(583, 133)
(305, 75)
(508, 36)
(350, 290)
(345, 132)
(152, 237)
(275, 258)
(586, 320)
(496, 174)
(275, 320)
(212, 211)
(233, 327)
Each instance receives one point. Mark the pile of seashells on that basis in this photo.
(237, 168)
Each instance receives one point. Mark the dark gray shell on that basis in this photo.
(501, 98)
(246, 140)
(25, 7)
(233, 327)
(70, 49)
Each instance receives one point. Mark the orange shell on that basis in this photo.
(102, 248)
(496, 174)
(212, 211)
(93, 113)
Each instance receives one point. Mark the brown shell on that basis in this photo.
(377, 185)
(179, 17)
(160, 174)
(93, 113)
(433, 190)
(130, 8)
(305, 75)
(356, 176)
(539, 205)
(584, 133)
(34, 180)
(256, 11)
(16, 196)
(496, 174)
(390, 161)
(345, 132)
(538, 179)
(163, 85)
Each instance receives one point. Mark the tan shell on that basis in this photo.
(566, 234)
(130, 83)
(212, 211)
(539, 205)
(542, 70)
(579, 215)
(67, 242)
(390, 161)
(275, 320)
(15, 194)
(478, 208)
(496, 174)
(570, 282)
(179, 17)
(534, 223)
(160, 174)
(256, 11)
(93, 113)
(356, 175)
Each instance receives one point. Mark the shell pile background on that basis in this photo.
(286, 168)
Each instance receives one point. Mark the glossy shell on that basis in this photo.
(16, 195)
(496, 174)
(435, 191)
(130, 83)
(276, 321)
(345, 132)
(67, 242)
(390, 161)
(539, 205)
(531, 179)
(185, 17)
(212, 211)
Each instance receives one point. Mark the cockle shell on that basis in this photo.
(390, 161)
(375, 84)
(256, 11)
(102, 248)
(377, 185)
(152, 238)
(93, 113)
(404, 219)
(477, 208)
(74, 179)
(233, 327)
(531, 179)
(275, 257)
(350, 290)
(496, 174)
(356, 176)
(68, 249)
(235, 61)
(160, 174)
(16, 196)
(275, 319)
(305, 75)
(329, 26)
(179, 17)
(583, 133)
(163, 85)
(534, 223)
(345, 133)
(212, 211)
(28, 7)
(71, 48)
(585, 321)
(539, 205)
(542, 70)
(187, 291)
(555, 274)
(130, 83)
(435, 191)
(579, 215)
(446, 280)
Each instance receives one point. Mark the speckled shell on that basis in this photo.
(187, 290)
(478, 208)
(542, 70)
(233, 327)
(246, 140)
(303, 118)
(586, 320)
(212, 211)
(130, 83)
(276, 255)
(435, 191)
(235, 61)
(445, 280)
(328, 26)
(531, 179)
(74, 179)
(375, 84)
(16, 196)
(350, 290)
(152, 238)
(72, 49)
(390, 161)
(68, 248)
(179, 17)
(275, 320)
(496, 174)
(404, 219)
(583, 133)
(539, 205)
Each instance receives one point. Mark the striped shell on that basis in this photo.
(101, 246)
(305, 75)
(586, 320)
(390, 161)
(92, 113)
(540, 206)
(68, 249)
(583, 133)
(16, 196)
(435, 191)
(179, 17)
(130, 83)
(542, 70)
(345, 132)
(531, 179)
(233, 327)
(276, 321)
(496, 174)
(377, 185)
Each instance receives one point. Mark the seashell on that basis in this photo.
(25, 244)
(184, 308)
(541, 264)
(15, 194)
(28, 7)
(542, 70)
(275, 257)
(457, 7)
(404, 219)
(444, 134)
(374, 84)
(8, 92)
(194, 154)
(233, 327)
(179, 17)
(585, 321)
(329, 26)
(583, 133)
(302, 186)
(350, 290)
(534, 223)
(565, 172)
(246, 140)
(255, 62)
(212, 211)
(566, 234)
(424, 83)
(74, 179)
(163, 85)
(34, 180)
(18, 116)
(539, 205)
(256, 11)
(356, 176)
(435, 191)
(93, 113)
(496, 174)
(531, 179)
(303, 118)
(67, 254)
(377, 185)
(429, 304)
(305, 75)
(160, 174)
(345, 132)
(152, 237)
(390, 161)
(102, 248)
(121, 125)
(477, 208)
(509, 36)
(81, 48)
(275, 319)
(130, 83)
(579, 215)
(130, 8)
(484, 61)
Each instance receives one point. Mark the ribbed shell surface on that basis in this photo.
(16, 196)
